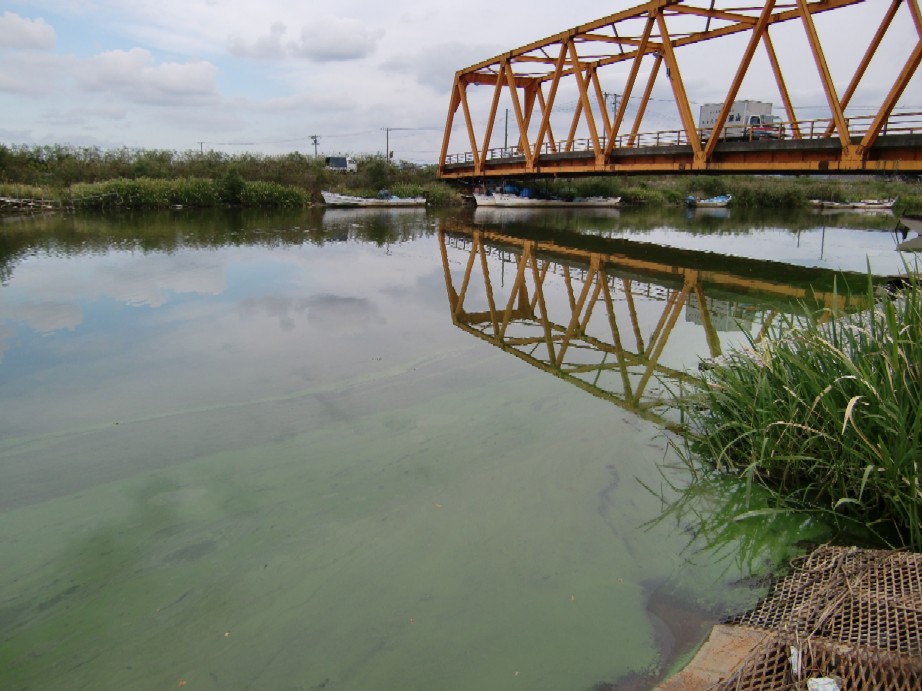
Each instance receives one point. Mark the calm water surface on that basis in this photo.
(376, 450)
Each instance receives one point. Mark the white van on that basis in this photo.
(341, 164)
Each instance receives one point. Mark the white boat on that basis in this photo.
(484, 200)
(512, 200)
(862, 205)
(383, 199)
(718, 202)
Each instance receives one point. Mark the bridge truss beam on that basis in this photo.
(639, 42)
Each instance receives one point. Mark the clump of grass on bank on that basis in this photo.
(826, 415)
(147, 193)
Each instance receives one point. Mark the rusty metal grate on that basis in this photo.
(769, 667)
(850, 613)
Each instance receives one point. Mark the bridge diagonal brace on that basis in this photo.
(491, 120)
(519, 116)
(453, 105)
(544, 129)
(645, 99)
(678, 90)
(829, 87)
(909, 69)
(782, 87)
(866, 59)
(756, 36)
(546, 114)
(583, 82)
(462, 94)
(629, 85)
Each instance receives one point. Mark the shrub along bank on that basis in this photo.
(828, 415)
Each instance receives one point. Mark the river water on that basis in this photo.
(391, 450)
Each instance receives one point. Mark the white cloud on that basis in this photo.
(435, 66)
(81, 116)
(330, 39)
(269, 47)
(134, 75)
(22, 33)
(333, 40)
(31, 74)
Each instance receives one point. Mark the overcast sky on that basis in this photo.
(265, 76)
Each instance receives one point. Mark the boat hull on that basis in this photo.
(710, 203)
(863, 205)
(514, 201)
(348, 201)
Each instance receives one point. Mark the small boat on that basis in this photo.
(862, 205)
(501, 199)
(718, 202)
(384, 198)
(484, 199)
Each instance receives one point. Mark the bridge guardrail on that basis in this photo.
(820, 128)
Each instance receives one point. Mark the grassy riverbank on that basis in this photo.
(748, 191)
(827, 414)
(95, 178)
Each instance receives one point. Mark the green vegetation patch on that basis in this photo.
(148, 193)
(827, 413)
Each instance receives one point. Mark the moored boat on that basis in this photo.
(718, 202)
(384, 198)
(517, 201)
(862, 205)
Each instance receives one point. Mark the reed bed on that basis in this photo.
(148, 193)
(827, 413)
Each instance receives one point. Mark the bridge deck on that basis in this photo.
(890, 154)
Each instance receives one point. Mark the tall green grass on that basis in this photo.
(827, 413)
(147, 193)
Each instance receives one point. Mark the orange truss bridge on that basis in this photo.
(561, 85)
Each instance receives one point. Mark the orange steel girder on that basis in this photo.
(533, 74)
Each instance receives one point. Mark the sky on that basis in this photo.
(350, 76)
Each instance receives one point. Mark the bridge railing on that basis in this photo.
(819, 128)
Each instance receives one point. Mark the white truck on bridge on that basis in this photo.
(746, 120)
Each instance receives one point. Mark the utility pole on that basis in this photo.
(315, 140)
(614, 102)
(387, 138)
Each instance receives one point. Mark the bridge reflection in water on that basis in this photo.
(601, 314)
